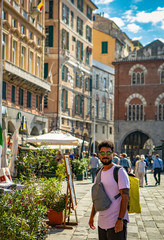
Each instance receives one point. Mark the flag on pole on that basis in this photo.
(40, 6)
(1, 138)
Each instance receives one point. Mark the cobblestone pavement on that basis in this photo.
(148, 225)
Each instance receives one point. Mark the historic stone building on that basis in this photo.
(22, 45)
(68, 65)
(102, 102)
(139, 100)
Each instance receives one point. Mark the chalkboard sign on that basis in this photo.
(70, 182)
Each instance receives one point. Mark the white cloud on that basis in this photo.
(137, 38)
(120, 23)
(154, 17)
(106, 15)
(103, 1)
(162, 25)
(134, 28)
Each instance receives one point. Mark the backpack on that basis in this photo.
(134, 205)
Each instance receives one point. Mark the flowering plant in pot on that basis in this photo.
(52, 197)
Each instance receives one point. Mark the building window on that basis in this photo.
(30, 35)
(45, 101)
(88, 54)
(89, 12)
(89, 33)
(103, 129)
(105, 83)
(104, 110)
(97, 108)
(14, 52)
(65, 39)
(37, 101)
(64, 100)
(104, 47)
(45, 70)
(38, 41)
(13, 94)
(23, 51)
(49, 36)
(4, 49)
(65, 73)
(135, 112)
(21, 96)
(137, 78)
(4, 15)
(72, 19)
(160, 112)
(29, 99)
(72, 1)
(88, 106)
(87, 84)
(78, 104)
(110, 130)
(80, 5)
(80, 26)
(110, 111)
(38, 66)
(97, 81)
(14, 23)
(50, 9)
(65, 14)
(111, 86)
(162, 76)
(31, 63)
(96, 128)
(79, 51)
(40, 103)
(4, 88)
(23, 30)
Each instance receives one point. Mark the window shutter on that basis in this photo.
(81, 104)
(67, 74)
(81, 51)
(62, 99)
(90, 84)
(77, 53)
(13, 94)
(67, 40)
(4, 91)
(66, 105)
(45, 70)
(50, 36)
(76, 104)
(63, 72)
(51, 10)
(77, 79)
(67, 15)
(63, 39)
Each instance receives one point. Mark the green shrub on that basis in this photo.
(22, 216)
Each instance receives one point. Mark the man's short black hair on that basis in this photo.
(106, 144)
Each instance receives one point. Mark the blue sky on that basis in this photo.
(141, 20)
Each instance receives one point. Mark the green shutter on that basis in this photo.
(4, 90)
(90, 84)
(77, 52)
(63, 37)
(67, 73)
(67, 40)
(62, 99)
(81, 51)
(63, 72)
(66, 105)
(45, 70)
(81, 104)
(77, 79)
(104, 47)
(51, 28)
(76, 103)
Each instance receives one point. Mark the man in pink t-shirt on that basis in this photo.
(112, 222)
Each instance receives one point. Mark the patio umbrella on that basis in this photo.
(4, 161)
(55, 138)
(14, 154)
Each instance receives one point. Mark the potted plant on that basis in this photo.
(52, 197)
(79, 168)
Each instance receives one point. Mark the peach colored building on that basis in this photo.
(24, 87)
(68, 65)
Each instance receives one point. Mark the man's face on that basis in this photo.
(105, 155)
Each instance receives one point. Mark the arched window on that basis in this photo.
(160, 112)
(135, 112)
(162, 76)
(137, 78)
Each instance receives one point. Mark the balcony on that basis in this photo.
(24, 14)
(16, 6)
(65, 56)
(21, 76)
(39, 27)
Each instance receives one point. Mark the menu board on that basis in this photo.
(70, 182)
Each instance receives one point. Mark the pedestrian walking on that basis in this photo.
(140, 170)
(112, 222)
(94, 163)
(157, 168)
(116, 159)
(125, 162)
(146, 167)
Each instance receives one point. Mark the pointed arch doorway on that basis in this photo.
(137, 143)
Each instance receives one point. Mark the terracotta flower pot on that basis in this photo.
(54, 217)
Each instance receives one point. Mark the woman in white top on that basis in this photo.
(140, 170)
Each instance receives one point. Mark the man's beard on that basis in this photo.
(106, 163)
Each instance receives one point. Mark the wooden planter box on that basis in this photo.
(54, 217)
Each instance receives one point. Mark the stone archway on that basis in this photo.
(135, 143)
(11, 128)
(34, 131)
